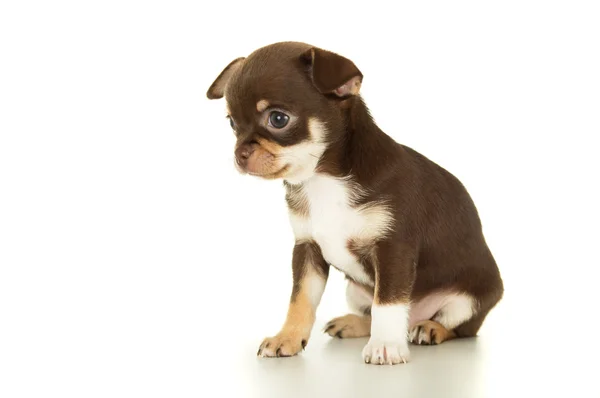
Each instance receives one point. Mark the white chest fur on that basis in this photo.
(333, 221)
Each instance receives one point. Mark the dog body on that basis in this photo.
(402, 229)
(332, 221)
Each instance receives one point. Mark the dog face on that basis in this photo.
(284, 104)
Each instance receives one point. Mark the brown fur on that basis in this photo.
(306, 255)
(436, 241)
(296, 200)
(294, 335)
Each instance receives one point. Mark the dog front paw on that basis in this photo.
(284, 344)
(379, 352)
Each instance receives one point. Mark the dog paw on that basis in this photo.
(348, 326)
(282, 345)
(379, 352)
(429, 333)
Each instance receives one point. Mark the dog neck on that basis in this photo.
(362, 151)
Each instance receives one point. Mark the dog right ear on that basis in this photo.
(332, 73)
(217, 89)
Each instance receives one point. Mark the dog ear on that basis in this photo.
(332, 73)
(217, 89)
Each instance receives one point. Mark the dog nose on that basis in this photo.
(243, 153)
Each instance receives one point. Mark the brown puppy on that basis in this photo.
(402, 229)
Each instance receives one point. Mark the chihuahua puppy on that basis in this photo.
(403, 230)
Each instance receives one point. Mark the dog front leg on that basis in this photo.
(310, 272)
(394, 277)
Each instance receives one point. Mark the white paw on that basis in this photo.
(378, 352)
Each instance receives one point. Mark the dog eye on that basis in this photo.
(278, 119)
(231, 123)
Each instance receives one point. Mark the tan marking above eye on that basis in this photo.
(262, 105)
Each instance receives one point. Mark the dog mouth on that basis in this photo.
(273, 175)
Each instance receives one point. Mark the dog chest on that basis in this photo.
(332, 221)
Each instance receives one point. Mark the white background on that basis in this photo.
(135, 261)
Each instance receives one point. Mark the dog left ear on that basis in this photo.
(332, 73)
(217, 89)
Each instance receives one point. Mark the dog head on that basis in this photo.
(285, 105)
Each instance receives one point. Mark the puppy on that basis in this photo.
(403, 230)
